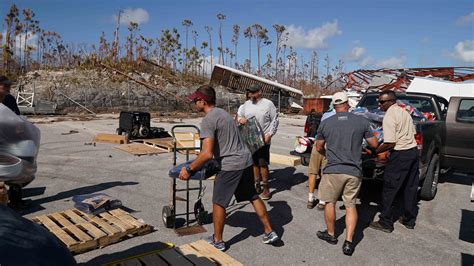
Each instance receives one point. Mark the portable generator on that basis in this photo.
(134, 125)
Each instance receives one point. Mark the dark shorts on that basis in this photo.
(238, 183)
(262, 156)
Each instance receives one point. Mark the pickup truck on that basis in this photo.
(443, 142)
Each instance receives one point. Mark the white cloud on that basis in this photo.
(137, 15)
(464, 51)
(425, 41)
(366, 62)
(355, 54)
(465, 20)
(392, 62)
(315, 38)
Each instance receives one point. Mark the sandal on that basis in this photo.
(258, 188)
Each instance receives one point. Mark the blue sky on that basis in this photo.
(364, 34)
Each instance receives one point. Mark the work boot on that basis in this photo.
(378, 226)
(406, 224)
(15, 195)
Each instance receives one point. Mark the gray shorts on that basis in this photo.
(230, 183)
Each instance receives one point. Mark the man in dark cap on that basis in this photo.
(5, 97)
(266, 115)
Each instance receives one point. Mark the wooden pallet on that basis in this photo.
(110, 138)
(81, 232)
(140, 149)
(163, 143)
(196, 253)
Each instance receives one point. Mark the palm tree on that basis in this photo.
(280, 29)
(186, 23)
(248, 33)
(262, 40)
(209, 32)
(235, 39)
(220, 17)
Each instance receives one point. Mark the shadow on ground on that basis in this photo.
(134, 251)
(35, 205)
(280, 215)
(285, 179)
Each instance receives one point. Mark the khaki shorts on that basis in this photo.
(317, 162)
(333, 185)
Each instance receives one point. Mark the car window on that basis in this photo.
(466, 111)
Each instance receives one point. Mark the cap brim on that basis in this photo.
(193, 96)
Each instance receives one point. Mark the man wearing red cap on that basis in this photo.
(221, 139)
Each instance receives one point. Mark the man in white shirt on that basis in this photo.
(266, 115)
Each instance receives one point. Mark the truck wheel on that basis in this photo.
(119, 131)
(430, 185)
(304, 161)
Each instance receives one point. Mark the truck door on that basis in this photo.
(459, 145)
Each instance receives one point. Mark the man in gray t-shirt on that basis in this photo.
(340, 138)
(221, 139)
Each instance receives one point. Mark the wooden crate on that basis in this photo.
(140, 149)
(196, 253)
(81, 232)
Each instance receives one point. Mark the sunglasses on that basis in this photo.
(384, 101)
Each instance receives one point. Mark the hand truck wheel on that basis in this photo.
(200, 213)
(168, 216)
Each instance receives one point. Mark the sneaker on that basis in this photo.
(218, 245)
(348, 248)
(407, 225)
(324, 235)
(380, 227)
(270, 237)
(320, 206)
(312, 203)
(265, 195)
(258, 188)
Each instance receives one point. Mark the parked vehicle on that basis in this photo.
(443, 142)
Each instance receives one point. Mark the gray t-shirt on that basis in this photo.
(344, 133)
(229, 147)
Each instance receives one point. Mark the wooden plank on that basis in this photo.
(123, 226)
(110, 229)
(153, 260)
(173, 257)
(110, 138)
(78, 233)
(141, 149)
(285, 159)
(211, 252)
(82, 223)
(56, 230)
(194, 256)
(61, 219)
(127, 218)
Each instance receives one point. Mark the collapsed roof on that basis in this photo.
(239, 81)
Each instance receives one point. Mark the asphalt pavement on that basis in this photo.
(68, 166)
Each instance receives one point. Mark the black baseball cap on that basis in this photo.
(254, 88)
(5, 81)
